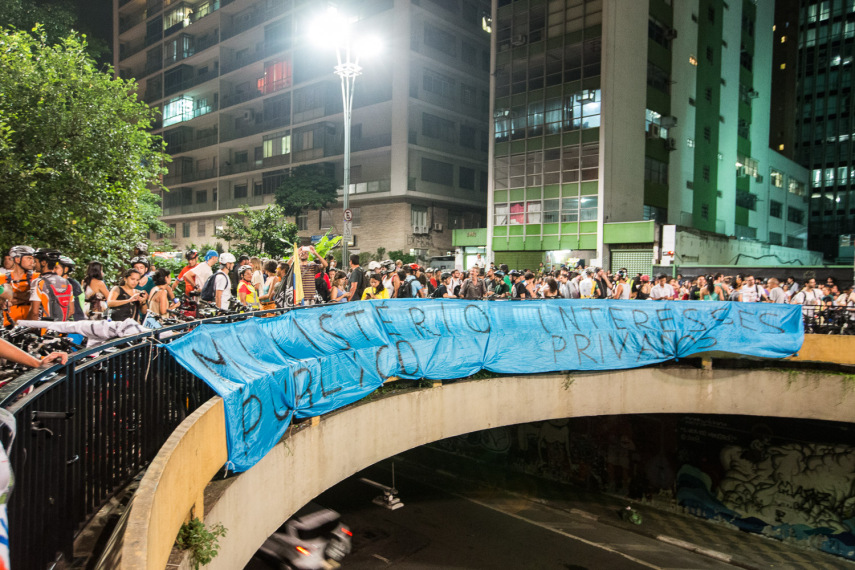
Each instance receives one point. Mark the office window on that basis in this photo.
(201, 228)
(467, 178)
(437, 128)
(709, 54)
(775, 209)
(437, 172)
(438, 84)
(776, 178)
(468, 95)
(655, 171)
(185, 229)
(419, 216)
(795, 215)
(325, 219)
(706, 173)
(440, 39)
(201, 196)
(303, 220)
(467, 136)
(240, 191)
(707, 134)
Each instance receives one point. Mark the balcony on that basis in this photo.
(238, 98)
(198, 46)
(152, 95)
(243, 61)
(186, 146)
(235, 203)
(367, 187)
(187, 177)
(256, 18)
(153, 66)
(189, 208)
(126, 50)
(128, 22)
(368, 143)
(190, 82)
(255, 128)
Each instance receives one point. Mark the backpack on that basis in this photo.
(209, 292)
(405, 291)
(59, 301)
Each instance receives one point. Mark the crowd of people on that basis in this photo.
(36, 284)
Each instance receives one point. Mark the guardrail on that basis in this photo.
(86, 429)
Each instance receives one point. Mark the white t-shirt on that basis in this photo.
(661, 292)
(224, 285)
(201, 273)
(751, 293)
(777, 295)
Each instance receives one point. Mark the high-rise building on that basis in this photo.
(637, 132)
(815, 39)
(246, 95)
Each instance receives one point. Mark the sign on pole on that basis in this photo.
(348, 231)
(348, 215)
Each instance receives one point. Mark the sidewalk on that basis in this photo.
(661, 521)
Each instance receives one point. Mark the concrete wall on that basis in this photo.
(258, 501)
(707, 249)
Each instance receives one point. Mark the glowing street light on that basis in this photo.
(337, 30)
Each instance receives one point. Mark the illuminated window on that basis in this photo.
(177, 110)
(783, 39)
(693, 60)
(783, 66)
(780, 147)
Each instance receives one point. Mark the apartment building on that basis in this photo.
(814, 59)
(245, 95)
(634, 133)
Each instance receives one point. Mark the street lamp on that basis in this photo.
(335, 29)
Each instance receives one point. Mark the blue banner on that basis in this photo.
(314, 360)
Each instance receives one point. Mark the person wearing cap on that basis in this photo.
(430, 274)
(518, 290)
(443, 288)
(642, 291)
(192, 257)
(391, 281)
(500, 289)
(223, 283)
(196, 277)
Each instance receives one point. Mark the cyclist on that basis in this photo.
(53, 297)
(192, 257)
(246, 291)
(11, 352)
(19, 279)
(142, 266)
(68, 266)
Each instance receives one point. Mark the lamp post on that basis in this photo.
(348, 70)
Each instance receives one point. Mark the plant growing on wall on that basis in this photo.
(200, 541)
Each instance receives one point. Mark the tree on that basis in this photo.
(309, 187)
(259, 232)
(77, 162)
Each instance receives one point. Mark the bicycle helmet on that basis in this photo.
(243, 269)
(66, 261)
(227, 258)
(444, 276)
(191, 253)
(47, 254)
(141, 259)
(21, 251)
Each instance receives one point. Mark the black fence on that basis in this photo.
(86, 429)
(829, 320)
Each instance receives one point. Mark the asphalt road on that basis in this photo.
(443, 525)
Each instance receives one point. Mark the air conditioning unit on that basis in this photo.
(519, 40)
(437, 227)
(759, 178)
(753, 94)
(670, 34)
(668, 122)
(248, 115)
(671, 144)
(420, 230)
(652, 131)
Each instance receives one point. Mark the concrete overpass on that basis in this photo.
(318, 454)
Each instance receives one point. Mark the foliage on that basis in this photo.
(405, 257)
(58, 18)
(171, 265)
(326, 244)
(76, 160)
(309, 187)
(202, 543)
(259, 232)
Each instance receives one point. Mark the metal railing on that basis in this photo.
(87, 429)
(829, 320)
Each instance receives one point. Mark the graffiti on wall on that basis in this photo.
(777, 477)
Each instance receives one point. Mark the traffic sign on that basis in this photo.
(348, 231)
(348, 215)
